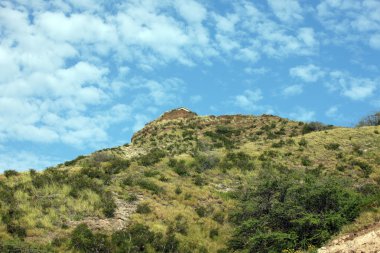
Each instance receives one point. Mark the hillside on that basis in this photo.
(190, 183)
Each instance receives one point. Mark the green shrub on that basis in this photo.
(179, 167)
(303, 142)
(16, 230)
(201, 211)
(205, 162)
(238, 160)
(178, 190)
(218, 217)
(364, 166)
(150, 185)
(151, 173)
(180, 225)
(83, 240)
(214, 232)
(199, 180)
(315, 126)
(10, 173)
(108, 204)
(279, 144)
(129, 181)
(153, 157)
(305, 161)
(332, 146)
(292, 211)
(143, 208)
(138, 238)
(370, 120)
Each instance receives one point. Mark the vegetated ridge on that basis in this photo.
(189, 183)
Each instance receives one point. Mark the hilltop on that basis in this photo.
(190, 183)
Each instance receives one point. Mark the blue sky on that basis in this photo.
(82, 75)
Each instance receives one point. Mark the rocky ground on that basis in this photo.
(365, 241)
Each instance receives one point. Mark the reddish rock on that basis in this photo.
(179, 113)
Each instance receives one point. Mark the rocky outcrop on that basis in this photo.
(365, 241)
(179, 113)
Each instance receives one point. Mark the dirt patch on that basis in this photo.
(364, 241)
(122, 216)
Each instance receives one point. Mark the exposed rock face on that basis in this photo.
(178, 113)
(365, 241)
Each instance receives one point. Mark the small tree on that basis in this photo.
(10, 173)
(370, 120)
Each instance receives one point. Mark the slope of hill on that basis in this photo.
(189, 183)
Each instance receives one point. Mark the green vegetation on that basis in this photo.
(202, 184)
(293, 210)
(370, 120)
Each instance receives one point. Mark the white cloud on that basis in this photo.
(350, 20)
(195, 99)
(332, 112)
(352, 87)
(286, 10)
(292, 90)
(374, 41)
(302, 114)
(23, 160)
(248, 100)
(256, 71)
(307, 73)
(191, 11)
(140, 121)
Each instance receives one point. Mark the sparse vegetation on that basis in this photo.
(202, 184)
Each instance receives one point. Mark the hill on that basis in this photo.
(189, 183)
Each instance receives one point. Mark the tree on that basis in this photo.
(370, 120)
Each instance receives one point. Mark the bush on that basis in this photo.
(292, 211)
(83, 240)
(10, 173)
(370, 120)
(303, 142)
(364, 166)
(199, 180)
(179, 167)
(153, 157)
(180, 225)
(315, 126)
(138, 238)
(149, 185)
(143, 208)
(238, 160)
(305, 161)
(201, 211)
(332, 146)
(214, 232)
(178, 190)
(108, 204)
(16, 230)
(205, 162)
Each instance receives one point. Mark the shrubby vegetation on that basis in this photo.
(370, 120)
(293, 210)
(231, 183)
(315, 126)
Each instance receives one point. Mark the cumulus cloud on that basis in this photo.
(352, 87)
(24, 160)
(292, 90)
(332, 111)
(307, 73)
(302, 114)
(350, 20)
(195, 99)
(374, 41)
(286, 10)
(249, 99)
